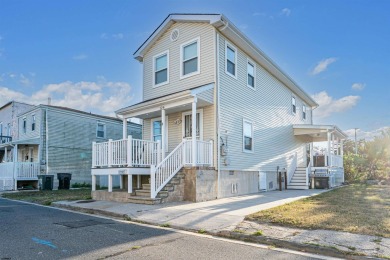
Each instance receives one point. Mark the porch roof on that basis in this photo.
(28, 141)
(318, 133)
(176, 102)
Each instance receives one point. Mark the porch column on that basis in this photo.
(311, 155)
(93, 182)
(163, 134)
(6, 154)
(194, 148)
(15, 167)
(109, 183)
(124, 135)
(129, 183)
(328, 152)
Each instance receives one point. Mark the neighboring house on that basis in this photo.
(203, 77)
(54, 139)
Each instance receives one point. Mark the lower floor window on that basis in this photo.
(247, 135)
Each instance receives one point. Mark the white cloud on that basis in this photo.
(358, 86)
(323, 65)
(328, 105)
(25, 81)
(367, 135)
(80, 57)
(115, 36)
(286, 12)
(103, 97)
(118, 36)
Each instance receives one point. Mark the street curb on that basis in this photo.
(271, 242)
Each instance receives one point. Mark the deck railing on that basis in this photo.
(7, 170)
(5, 139)
(125, 152)
(204, 152)
(27, 170)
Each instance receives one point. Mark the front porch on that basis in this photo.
(327, 163)
(173, 138)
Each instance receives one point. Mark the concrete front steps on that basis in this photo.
(298, 181)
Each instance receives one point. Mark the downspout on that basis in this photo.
(218, 118)
(47, 141)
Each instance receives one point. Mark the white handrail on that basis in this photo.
(308, 172)
(164, 171)
(292, 167)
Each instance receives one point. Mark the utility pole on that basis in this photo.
(356, 149)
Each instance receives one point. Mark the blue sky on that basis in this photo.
(80, 52)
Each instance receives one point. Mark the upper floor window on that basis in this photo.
(101, 130)
(33, 119)
(247, 136)
(294, 106)
(24, 125)
(231, 60)
(9, 129)
(190, 58)
(304, 112)
(161, 64)
(251, 74)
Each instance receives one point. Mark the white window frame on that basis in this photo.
(304, 110)
(166, 130)
(24, 125)
(231, 46)
(243, 136)
(33, 122)
(251, 62)
(155, 57)
(104, 127)
(197, 40)
(200, 111)
(293, 103)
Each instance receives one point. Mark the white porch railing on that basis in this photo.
(27, 170)
(204, 152)
(125, 152)
(308, 172)
(180, 156)
(335, 160)
(292, 167)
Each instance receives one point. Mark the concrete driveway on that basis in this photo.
(216, 215)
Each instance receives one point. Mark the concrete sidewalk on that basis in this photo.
(213, 216)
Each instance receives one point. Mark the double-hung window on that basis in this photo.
(247, 135)
(190, 58)
(293, 105)
(188, 125)
(231, 61)
(24, 125)
(33, 119)
(101, 130)
(251, 74)
(304, 112)
(161, 64)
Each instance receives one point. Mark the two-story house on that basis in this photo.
(54, 140)
(219, 113)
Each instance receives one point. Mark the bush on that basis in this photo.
(81, 185)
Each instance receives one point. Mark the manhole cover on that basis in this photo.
(79, 224)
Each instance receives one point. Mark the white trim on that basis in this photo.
(251, 62)
(200, 111)
(197, 40)
(293, 98)
(231, 46)
(154, 69)
(243, 136)
(166, 130)
(104, 127)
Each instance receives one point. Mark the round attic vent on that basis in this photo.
(174, 35)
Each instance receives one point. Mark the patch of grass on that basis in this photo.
(127, 218)
(201, 231)
(46, 197)
(358, 208)
(135, 247)
(377, 240)
(165, 225)
(238, 231)
(257, 233)
(351, 248)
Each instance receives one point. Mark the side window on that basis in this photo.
(304, 112)
(247, 136)
(161, 63)
(101, 130)
(293, 105)
(33, 119)
(24, 125)
(190, 58)
(231, 60)
(251, 71)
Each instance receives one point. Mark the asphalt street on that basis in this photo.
(34, 232)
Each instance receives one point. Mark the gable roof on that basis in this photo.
(229, 30)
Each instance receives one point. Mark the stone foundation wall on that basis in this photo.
(200, 184)
(110, 196)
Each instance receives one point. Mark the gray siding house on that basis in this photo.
(54, 139)
(220, 112)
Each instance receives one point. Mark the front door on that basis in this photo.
(156, 131)
(187, 125)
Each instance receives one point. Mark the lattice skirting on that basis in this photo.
(6, 184)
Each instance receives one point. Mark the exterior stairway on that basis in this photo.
(171, 192)
(298, 181)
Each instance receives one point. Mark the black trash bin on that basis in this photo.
(321, 182)
(64, 180)
(46, 182)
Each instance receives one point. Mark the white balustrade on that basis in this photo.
(205, 152)
(6, 170)
(27, 170)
